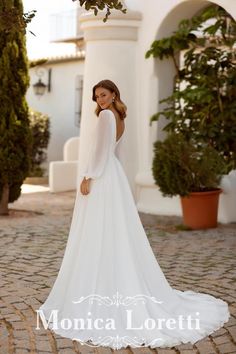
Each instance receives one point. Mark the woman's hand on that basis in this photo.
(85, 186)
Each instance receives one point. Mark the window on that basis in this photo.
(78, 99)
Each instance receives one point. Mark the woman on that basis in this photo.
(110, 290)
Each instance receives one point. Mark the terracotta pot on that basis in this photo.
(200, 209)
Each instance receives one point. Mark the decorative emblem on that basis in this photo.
(117, 299)
(118, 342)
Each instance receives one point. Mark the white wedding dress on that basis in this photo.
(110, 290)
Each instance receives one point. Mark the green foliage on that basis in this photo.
(11, 17)
(222, 32)
(181, 167)
(203, 103)
(15, 135)
(99, 5)
(39, 125)
(170, 46)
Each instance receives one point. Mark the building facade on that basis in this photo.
(116, 50)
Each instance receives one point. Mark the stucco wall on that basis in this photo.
(59, 104)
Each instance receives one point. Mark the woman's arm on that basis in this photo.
(101, 145)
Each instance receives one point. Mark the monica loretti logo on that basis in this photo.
(109, 324)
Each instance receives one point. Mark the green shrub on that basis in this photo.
(40, 125)
(15, 135)
(203, 103)
(181, 167)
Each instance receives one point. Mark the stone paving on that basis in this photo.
(32, 244)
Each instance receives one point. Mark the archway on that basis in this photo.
(164, 70)
(161, 74)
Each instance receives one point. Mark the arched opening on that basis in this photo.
(164, 71)
(161, 77)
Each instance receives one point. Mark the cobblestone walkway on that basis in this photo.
(32, 244)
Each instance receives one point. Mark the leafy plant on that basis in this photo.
(39, 125)
(99, 5)
(11, 17)
(181, 167)
(203, 103)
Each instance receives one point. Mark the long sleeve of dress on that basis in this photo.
(101, 145)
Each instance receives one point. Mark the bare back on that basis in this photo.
(120, 126)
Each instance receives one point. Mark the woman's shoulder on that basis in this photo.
(105, 118)
(105, 113)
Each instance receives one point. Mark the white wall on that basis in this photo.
(159, 19)
(59, 104)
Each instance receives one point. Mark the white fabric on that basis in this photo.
(101, 146)
(108, 259)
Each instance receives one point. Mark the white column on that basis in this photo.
(111, 54)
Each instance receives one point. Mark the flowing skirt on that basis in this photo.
(110, 290)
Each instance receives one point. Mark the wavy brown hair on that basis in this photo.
(118, 104)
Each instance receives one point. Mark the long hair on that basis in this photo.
(118, 104)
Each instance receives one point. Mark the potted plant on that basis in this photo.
(193, 171)
(200, 113)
